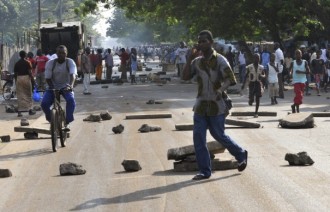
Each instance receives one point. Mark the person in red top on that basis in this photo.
(32, 61)
(124, 57)
(93, 58)
(40, 67)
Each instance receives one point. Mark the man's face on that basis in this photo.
(204, 43)
(298, 54)
(61, 54)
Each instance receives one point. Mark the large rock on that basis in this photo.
(11, 109)
(146, 128)
(118, 129)
(297, 120)
(93, 118)
(71, 169)
(181, 153)
(37, 108)
(31, 135)
(24, 122)
(105, 115)
(131, 165)
(5, 138)
(299, 159)
(5, 173)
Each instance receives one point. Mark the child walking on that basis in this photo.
(273, 79)
(298, 69)
(254, 74)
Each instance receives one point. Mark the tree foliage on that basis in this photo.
(19, 16)
(240, 19)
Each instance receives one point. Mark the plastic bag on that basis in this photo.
(36, 96)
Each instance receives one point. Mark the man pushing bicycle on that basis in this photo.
(60, 74)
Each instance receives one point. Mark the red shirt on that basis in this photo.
(124, 57)
(41, 63)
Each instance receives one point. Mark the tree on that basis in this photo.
(240, 20)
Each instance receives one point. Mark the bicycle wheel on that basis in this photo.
(63, 133)
(54, 129)
(8, 90)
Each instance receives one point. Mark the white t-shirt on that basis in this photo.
(60, 76)
(272, 74)
(278, 57)
(324, 55)
(181, 52)
(241, 58)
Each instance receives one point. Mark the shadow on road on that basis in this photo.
(145, 194)
(31, 153)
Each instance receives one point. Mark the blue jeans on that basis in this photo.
(242, 72)
(48, 100)
(216, 126)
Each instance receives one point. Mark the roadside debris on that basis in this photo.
(5, 138)
(71, 169)
(146, 128)
(5, 173)
(118, 129)
(131, 165)
(299, 159)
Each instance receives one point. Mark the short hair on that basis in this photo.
(62, 47)
(22, 54)
(207, 33)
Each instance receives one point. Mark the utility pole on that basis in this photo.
(39, 14)
(60, 16)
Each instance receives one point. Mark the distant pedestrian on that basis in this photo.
(230, 57)
(181, 58)
(279, 59)
(99, 66)
(298, 69)
(318, 70)
(41, 61)
(124, 58)
(272, 79)
(134, 65)
(30, 58)
(255, 74)
(242, 65)
(108, 59)
(86, 68)
(265, 59)
(93, 58)
(24, 84)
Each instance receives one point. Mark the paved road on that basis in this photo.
(268, 183)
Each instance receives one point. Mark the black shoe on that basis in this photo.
(66, 128)
(242, 165)
(293, 108)
(200, 177)
(275, 101)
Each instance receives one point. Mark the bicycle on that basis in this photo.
(58, 123)
(8, 88)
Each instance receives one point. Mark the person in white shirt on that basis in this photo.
(181, 58)
(279, 59)
(272, 79)
(242, 65)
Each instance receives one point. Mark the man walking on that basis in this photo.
(214, 75)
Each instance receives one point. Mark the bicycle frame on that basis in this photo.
(57, 121)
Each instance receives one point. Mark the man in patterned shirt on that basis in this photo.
(214, 75)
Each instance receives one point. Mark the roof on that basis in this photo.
(64, 24)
